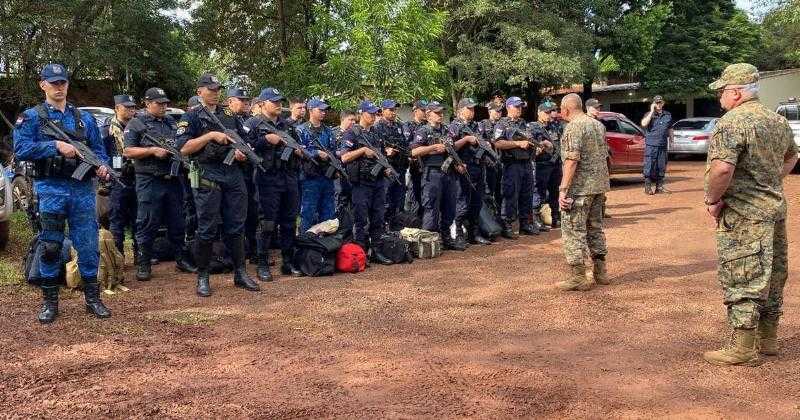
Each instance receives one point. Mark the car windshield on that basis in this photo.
(691, 125)
(791, 112)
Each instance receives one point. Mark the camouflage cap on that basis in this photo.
(736, 74)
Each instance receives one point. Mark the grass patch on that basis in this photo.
(11, 260)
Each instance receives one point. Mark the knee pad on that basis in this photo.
(51, 251)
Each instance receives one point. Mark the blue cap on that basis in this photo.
(54, 73)
(434, 106)
(368, 106)
(237, 93)
(317, 103)
(124, 100)
(270, 94)
(388, 104)
(515, 101)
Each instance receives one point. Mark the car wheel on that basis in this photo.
(21, 192)
(4, 231)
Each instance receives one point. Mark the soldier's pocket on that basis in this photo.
(741, 264)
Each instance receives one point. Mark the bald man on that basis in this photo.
(581, 195)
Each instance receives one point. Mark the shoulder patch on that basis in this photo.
(228, 112)
(183, 123)
(181, 130)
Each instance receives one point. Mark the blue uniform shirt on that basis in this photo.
(29, 144)
(324, 134)
(658, 130)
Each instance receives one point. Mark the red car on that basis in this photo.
(625, 143)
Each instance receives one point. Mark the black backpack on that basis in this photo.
(489, 226)
(162, 247)
(220, 261)
(30, 266)
(405, 219)
(395, 248)
(315, 255)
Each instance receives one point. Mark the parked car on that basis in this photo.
(690, 136)
(101, 114)
(625, 142)
(6, 206)
(791, 110)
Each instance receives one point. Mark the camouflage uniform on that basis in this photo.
(582, 226)
(751, 232)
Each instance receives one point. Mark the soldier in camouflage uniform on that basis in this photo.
(581, 195)
(750, 152)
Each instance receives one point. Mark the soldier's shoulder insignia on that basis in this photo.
(228, 112)
(183, 123)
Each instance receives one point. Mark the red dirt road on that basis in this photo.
(478, 334)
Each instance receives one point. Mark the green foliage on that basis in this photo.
(11, 260)
(781, 37)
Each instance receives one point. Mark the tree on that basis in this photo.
(781, 28)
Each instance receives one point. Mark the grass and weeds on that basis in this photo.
(11, 259)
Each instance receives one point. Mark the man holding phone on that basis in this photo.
(656, 123)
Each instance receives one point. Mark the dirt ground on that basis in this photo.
(475, 334)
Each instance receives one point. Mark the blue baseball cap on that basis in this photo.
(54, 73)
(434, 106)
(368, 106)
(124, 100)
(270, 94)
(237, 93)
(317, 103)
(388, 104)
(515, 101)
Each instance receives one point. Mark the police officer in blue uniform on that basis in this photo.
(518, 172)
(391, 132)
(439, 188)
(317, 203)
(238, 102)
(464, 132)
(158, 186)
(344, 190)
(548, 163)
(415, 169)
(494, 174)
(63, 200)
(219, 190)
(278, 192)
(122, 200)
(657, 123)
(369, 192)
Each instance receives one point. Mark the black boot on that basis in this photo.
(660, 186)
(537, 221)
(477, 236)
(460, 241)
(287, 266)
(202, 256)
(449, 243)
(49, 310)
(648, 187)
(527, 228)
(240, 277)
(91, 293)
(143, 270)
(508, 230)
(263, 268)
(183, 262)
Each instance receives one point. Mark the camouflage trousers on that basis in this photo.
(753, 267)
(582, 229)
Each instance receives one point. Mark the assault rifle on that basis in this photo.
(177, 157)
(454, 158)
(235, 141)
(334, 163)
(485, 150)
(290, 142)
(383, 163)
(88, 159)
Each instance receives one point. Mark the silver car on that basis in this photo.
(690, 135)
(791, 110)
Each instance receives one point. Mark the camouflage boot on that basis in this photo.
(577, 281)
(768, 337)
(599, 271)
(741, 350)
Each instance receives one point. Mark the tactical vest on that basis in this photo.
(434, 137)
(59, 166)
(273, 152)
(360, 170)
(466, 153)
(516, 154)
(159, 129)
(554, 130)
(213, 152)
(393, 135)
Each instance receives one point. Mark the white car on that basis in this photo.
(791, 111)
(690, 135)
(100, 114)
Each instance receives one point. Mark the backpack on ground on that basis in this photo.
(220, 260)
(405, 219)
(395, 248)
(424, 243)
(487, 220)
(110, 271)
(315, 255)
(351, 258)
(162, 247)
(30, 266)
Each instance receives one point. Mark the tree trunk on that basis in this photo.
(587, 90)
(284, 52)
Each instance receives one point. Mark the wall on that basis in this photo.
(778, 88)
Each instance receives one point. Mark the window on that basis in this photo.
(695, 125)
(791, 112)
(611, 125)
(628, 128)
